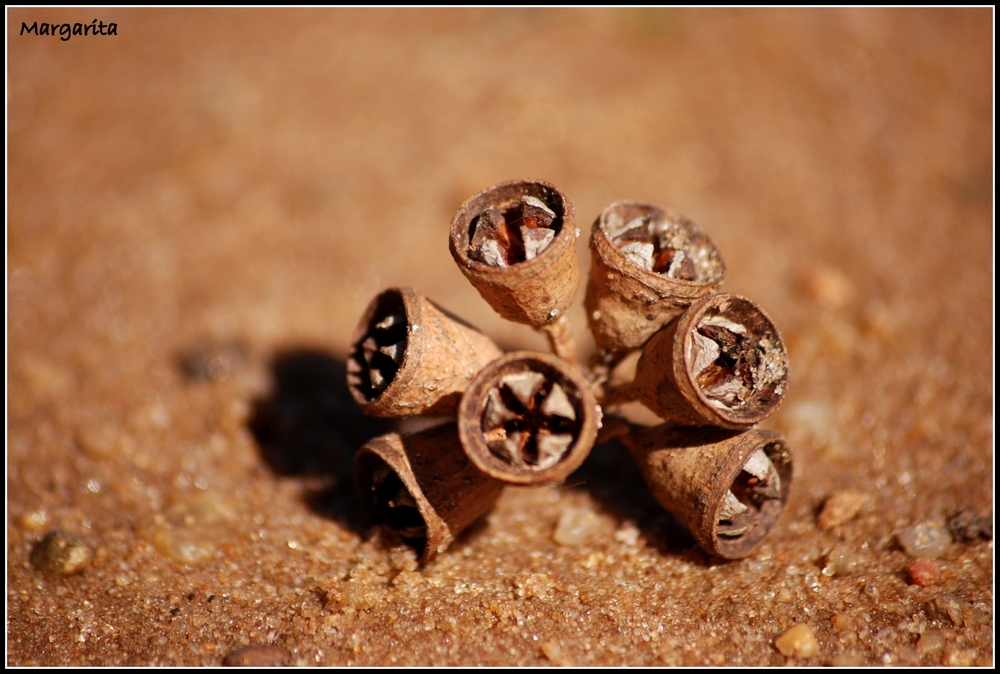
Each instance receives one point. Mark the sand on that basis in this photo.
(201, 206)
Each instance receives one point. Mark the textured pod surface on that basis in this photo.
(410, 357)
(528, 418)
(717, 482)
(423, 487)
(722, 363)
(532, 291)
(649, 264)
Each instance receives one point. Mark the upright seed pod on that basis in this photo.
(528, 418)
(423, 487)
(516, 243)
(410, 357)
(649, 265)
(727, 488)
(722, 363)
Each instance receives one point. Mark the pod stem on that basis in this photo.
(561, 340)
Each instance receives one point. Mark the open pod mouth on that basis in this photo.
(516, 243)
(422, 487)
(410, 357)
(755, 498)
(528, 418)
(722, 363)
(380, 348)
(649, 264)
(728, 488)
(662, 241)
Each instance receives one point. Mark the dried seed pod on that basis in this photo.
(722, 363)
(423, 487)
(516, 243)
(410, 357)
(649, 265)
(528, 418)
(727, 488)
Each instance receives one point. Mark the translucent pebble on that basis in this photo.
(842, 560)
(843, 622)
(930, 641)
(924, 540)
(959, 658)
(950, 606)
(34, 520)
(577, 526)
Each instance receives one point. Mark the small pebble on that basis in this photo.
(967, 525)
(848, 659)
(841, 507)
(797, 642)
(924, 540)
(844, 622)
(577, 526)
(965, 657)
(830, 287)
(628, 534)
(951, 606)
(212, 360)
(923, 572)
(930, 641)
(99, 440)
(61, 553)
(34, 520)
(842, 560)
(260, 655)
(555, 654)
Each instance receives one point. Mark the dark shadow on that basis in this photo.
(615, 481)
(310, 426)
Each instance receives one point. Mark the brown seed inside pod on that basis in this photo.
(516, 243)
(731, 364)
(379, 353)
(528, 419)
(513, 232)
(663, 242)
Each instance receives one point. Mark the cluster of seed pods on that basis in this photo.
(712, 365)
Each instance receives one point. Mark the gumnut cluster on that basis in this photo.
(711, 365)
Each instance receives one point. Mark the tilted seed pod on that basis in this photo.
(528, 418)
(423, 487)
(516, 243)
(649, 265)
(727, 488)
(410, 357)
(722, 363)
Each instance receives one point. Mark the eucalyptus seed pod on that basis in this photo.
(410, 357)
(516, 243)
(649, 265)
(727, 488)
(528, 419)
(722, 363)
(423, 487)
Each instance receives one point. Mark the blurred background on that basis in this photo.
(200, 208)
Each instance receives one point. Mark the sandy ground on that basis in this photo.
(201, 206)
